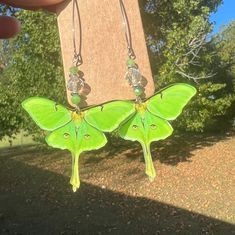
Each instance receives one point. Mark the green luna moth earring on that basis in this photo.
(76, 83)
(149, 119)
(76, 130)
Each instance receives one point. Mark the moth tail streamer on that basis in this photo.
(149, 167)
(75, 179)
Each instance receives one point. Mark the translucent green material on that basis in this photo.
(74, 70)
(77, 132)
(169, 102)
(76, 137)
(138, 90)
(130, 63)
(75, 99)
(149, 121)
(83, 131)
(107, 117)
(47, 114)
(145, 128)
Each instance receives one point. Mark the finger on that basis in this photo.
(29, 4)
(9, 27)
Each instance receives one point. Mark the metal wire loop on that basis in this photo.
(77, 57)
(131, 52)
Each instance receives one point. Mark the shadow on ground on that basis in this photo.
(177, 148)
(35, 201)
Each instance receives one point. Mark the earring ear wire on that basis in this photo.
(76, 83)
(133, 75)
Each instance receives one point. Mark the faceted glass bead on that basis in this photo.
(134, 77)
(74, 83)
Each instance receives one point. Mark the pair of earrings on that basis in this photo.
(80, 130)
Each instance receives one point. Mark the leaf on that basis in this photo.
(145, 128)
(47, 114)
(107, 117)
(169, 103)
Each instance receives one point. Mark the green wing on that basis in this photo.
(146, 128)
(47, 114)
(169, 103)
(76, 138)
(64, 138)
(107, 117)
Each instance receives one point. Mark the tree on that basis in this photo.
(34, 68)
(224, 45)
(177, 36)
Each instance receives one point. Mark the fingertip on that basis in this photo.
(29, 4)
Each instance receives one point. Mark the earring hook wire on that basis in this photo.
(77, 57)
(126, 24)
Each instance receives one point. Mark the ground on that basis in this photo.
(193, 193)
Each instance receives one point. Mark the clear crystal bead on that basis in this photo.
(134, 77)
(74, 83)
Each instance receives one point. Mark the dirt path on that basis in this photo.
(194, 191)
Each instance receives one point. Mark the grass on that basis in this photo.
(18, 140)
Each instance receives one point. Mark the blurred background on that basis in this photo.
(190, 41)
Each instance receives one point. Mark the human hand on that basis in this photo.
(10, 27)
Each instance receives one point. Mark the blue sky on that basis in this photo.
(224, 14)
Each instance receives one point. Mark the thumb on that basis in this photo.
(9, 27)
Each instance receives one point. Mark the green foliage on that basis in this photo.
(177, 35)
(33, 67)
(172, 26)
(224, 44)
(212, 101)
